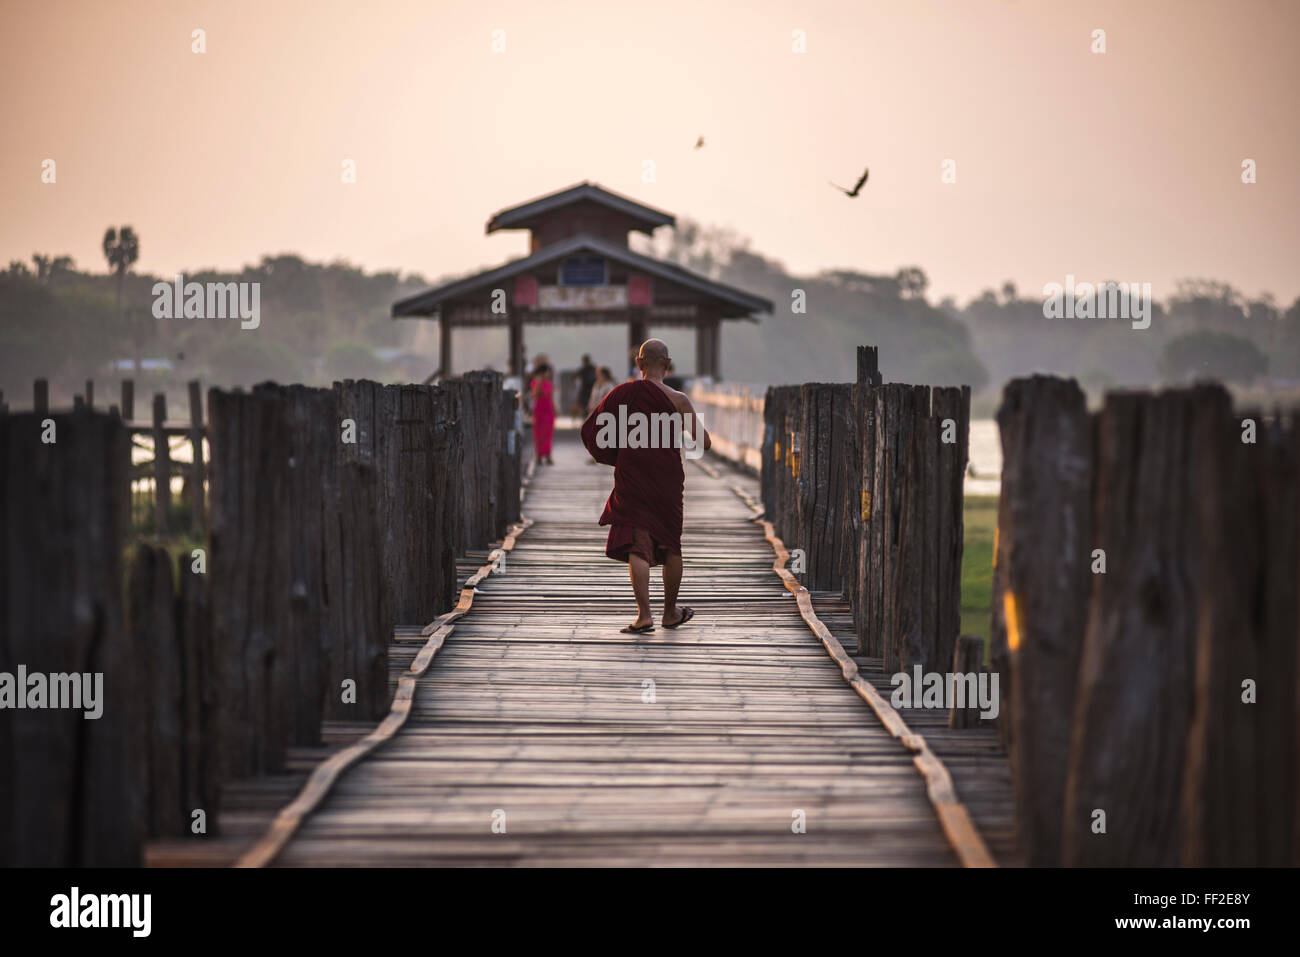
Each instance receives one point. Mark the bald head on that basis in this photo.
(653, 356)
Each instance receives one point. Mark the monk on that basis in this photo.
(644, 512)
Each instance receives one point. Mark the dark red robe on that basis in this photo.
(648, 482)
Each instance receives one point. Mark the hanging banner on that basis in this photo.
(582, 297)
(525, 291)
(640, 290)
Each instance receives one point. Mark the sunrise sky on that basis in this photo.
(1124, 165)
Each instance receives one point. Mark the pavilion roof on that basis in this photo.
(735, 302)
(645, 218)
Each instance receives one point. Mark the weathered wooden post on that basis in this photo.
(1220, 804)
(884, 519)
(411, 435)
(312, 450)
(1239, 789)
(197, 473)
(859, 462)
(72, 791)
(157, 670)
(286, 610)
(203, 692)
(511, 454)
(870, 541)
(1277, 753)
(444, 346)
(821, 435)
(162, 465)
(425, 483)
(1042, 582)
(251, 575)
(850, 519)
(869, 365)
(481, 425)
(907, 642)
(950, 409)
(1136, 675)
(967, 659)
(369, 530)
(772, 417)
(792, 429)
(360, 622)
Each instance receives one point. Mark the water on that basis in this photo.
(985, 457)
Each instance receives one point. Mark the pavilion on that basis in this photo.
(580, 270)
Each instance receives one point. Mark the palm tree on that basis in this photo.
(122, 249)
(912, 282)
(48, 268)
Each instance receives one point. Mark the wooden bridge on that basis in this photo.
(542, 735)
(373, 540)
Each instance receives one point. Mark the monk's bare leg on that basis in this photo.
(639, 571)
(672, 582)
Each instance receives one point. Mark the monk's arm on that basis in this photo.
(696, 428)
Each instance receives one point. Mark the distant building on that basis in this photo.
(579, 270)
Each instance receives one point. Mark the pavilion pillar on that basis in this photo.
(637, 333)
(702, 351)
(444, 345)
(714, 349)
(516, 343)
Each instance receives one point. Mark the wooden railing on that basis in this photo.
(1145, 612)
(335, 514)
(865, 479)
(733, 414)
(154, 465)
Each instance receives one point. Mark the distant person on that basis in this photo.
(529, 372)
(543, 393)
(644, 512)
(586, 380)
(602, 387)
(673, 380)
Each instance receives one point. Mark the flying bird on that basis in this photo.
(699, 142)
(857, 187)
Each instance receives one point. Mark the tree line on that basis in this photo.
(330, 321)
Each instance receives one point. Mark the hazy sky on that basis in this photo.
(1124, 165)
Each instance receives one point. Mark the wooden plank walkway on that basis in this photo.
(537, 707)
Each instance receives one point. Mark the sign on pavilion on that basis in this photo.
(579, 269)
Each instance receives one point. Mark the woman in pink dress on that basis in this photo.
(543, 389)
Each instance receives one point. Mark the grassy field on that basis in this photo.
(981, 518)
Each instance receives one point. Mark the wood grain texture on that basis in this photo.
(536, 706)
(325, 776)
(151, 618)
(1136, 685)
(72, 789)
(1045, 545)
(953, 815)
